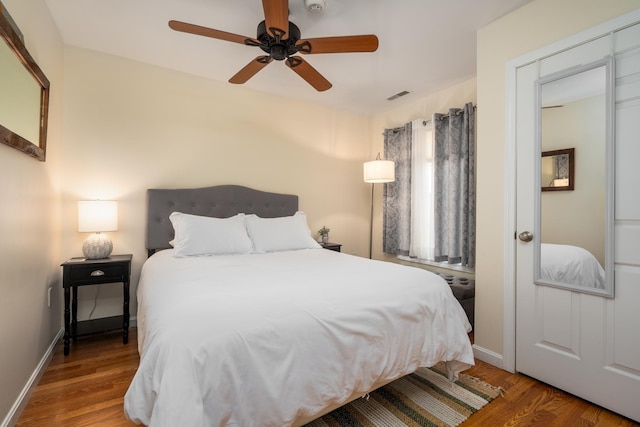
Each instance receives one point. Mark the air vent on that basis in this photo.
(397, 95)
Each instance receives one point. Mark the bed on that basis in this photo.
(282, 332)
(570, 264)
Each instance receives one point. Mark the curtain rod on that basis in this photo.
(425, 122)
(459, 112)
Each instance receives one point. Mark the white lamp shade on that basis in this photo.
(97, 215)
(379, 171)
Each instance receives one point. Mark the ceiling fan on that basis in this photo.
(281, 40)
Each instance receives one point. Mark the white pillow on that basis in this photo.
(285, 233)
(201, 235)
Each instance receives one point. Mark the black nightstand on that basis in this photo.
(331, 246)
(81, 272)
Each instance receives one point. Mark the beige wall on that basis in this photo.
(131, 126)
(533, 26)
(29, 218)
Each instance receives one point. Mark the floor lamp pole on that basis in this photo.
(371, 224)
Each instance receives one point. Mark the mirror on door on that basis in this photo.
(574, 228)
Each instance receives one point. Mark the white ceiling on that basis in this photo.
(425, 45)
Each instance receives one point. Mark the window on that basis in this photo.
(429, 211)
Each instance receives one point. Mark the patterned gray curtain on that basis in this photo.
(561, 166)
(397, 195)
(455, 186)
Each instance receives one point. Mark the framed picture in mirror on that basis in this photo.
(558, 170)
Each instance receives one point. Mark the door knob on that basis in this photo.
(525, 236)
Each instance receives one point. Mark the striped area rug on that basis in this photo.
(424, 398)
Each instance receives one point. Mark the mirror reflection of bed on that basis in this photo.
(571, 264)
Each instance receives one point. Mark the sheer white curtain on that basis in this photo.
(422, 192)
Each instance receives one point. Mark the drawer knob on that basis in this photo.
(97, 273)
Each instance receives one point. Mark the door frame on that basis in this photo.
(510, 172)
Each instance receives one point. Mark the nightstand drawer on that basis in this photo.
(98, 273)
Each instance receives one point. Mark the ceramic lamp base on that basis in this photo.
(97, 246)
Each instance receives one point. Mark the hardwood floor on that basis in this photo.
(87, 388)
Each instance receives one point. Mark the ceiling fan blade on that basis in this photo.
(250, 70)
(307, 72)
(276, 16)
(364, 43)
(210, 32)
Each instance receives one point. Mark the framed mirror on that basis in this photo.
(557, 170)
(574, 229)
(25, 94)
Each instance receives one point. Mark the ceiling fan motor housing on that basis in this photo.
(279, 49)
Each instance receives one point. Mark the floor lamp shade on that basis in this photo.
(379, 171)
(96, 216)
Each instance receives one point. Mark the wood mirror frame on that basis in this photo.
(38, 148)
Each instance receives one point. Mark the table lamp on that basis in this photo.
(96, 216)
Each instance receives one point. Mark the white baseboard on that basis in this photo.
(21, 402)
(488, 356)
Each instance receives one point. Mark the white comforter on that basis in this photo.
(272, 339)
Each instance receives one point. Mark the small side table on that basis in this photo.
(331, 246)
(81, 272)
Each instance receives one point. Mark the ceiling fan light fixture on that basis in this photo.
(314, 6)
(278, 52)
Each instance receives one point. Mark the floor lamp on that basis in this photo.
(376, 172)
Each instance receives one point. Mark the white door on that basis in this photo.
(585, 344)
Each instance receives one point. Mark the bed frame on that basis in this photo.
(220, 201)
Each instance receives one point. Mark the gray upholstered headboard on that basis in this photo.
(221, 201)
